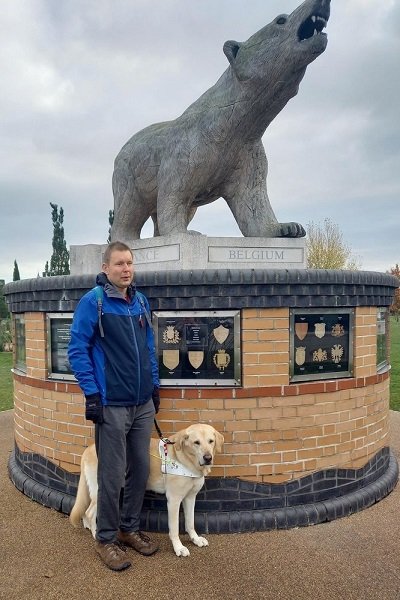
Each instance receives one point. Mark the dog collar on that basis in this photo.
(173, 467)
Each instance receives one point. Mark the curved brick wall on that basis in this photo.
(275, 432)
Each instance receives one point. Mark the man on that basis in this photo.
(113, 357)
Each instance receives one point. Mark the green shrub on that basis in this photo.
(6, 381)
(5, 334)
(395, 363)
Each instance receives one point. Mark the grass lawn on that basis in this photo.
(6, 383)
(395, 362)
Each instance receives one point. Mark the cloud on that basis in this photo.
(79, 78)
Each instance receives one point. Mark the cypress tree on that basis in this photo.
(3, 306)
(59, 261)
(16, 275)
(111, 221)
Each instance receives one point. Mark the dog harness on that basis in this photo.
(173, 467)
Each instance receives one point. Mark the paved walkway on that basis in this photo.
(355, 558)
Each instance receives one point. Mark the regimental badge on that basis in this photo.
(320, 355)
(338, 330)
(221, 360)
(301, 330)
(196, 357)
(320, 330)
(171, 335)
(300, 357)
(221, 333)
(337, 353)
(170, 359)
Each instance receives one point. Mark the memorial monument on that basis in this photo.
(291, 365)
(214, 148)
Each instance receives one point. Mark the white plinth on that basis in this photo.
(191, 251)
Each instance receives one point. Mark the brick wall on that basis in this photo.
(274, 431)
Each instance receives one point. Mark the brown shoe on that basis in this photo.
(138, 541)
(113, 556)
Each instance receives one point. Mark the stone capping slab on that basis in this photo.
(232, 505)
(217, 289)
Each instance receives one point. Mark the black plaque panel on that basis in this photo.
(321, 344)
(198, 347)
(59, 333)
(20, 342)
(382, 339)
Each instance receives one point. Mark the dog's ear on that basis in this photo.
(179, 439)
(219, 440)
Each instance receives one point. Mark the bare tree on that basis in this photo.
(326, 248)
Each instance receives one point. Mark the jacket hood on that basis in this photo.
(101, 279)
(110, 289)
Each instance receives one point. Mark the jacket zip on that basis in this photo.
(131, 316)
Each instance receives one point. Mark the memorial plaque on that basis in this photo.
(198, 347)
(321, 344)
(58, 336)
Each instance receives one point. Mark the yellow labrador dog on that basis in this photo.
(177, 470)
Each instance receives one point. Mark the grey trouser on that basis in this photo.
(122, 443)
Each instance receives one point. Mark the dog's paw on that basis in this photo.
(181, 550)
(199, 541)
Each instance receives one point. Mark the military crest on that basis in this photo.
(301, 330)
(319, 330)
(221, 333)
(337, 330)
(300, 357)
(170, 359)
(221, 360)
(337, 353)
(196, 357)
(320, 355)
(171, 335)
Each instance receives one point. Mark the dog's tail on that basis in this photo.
(82, 498)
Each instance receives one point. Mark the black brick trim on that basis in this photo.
(232, 505)
(217, 289)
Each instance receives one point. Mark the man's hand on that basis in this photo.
(93, 408)
(156, 398)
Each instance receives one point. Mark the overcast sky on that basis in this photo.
(80, 77)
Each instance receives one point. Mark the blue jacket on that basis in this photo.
(121, 366)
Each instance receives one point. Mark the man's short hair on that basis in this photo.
(115, 246)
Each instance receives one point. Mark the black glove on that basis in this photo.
(93, 408)
(156, 398)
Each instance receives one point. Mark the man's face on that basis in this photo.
(120, 269)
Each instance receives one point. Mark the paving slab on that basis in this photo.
(42, 557)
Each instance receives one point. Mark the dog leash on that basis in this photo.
(165, 442)
(160, 435)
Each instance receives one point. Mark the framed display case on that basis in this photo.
(321, 343)
(58, 336)
(20, 342)
(198, 347)
(382, 338)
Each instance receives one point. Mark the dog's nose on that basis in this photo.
(207, 458)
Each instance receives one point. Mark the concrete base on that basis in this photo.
(196, 251)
